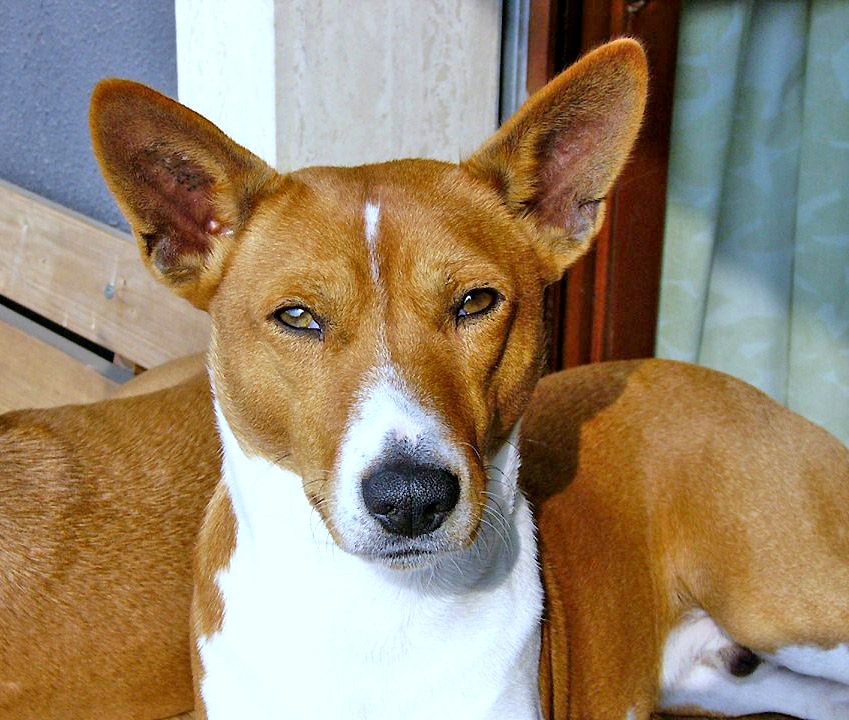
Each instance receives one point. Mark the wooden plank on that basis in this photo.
(628, 301)
(542, 33)
(34, 374)
(88, 277)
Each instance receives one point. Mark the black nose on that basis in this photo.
(409, 499)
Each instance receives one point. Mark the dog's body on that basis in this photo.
(719, 515)
(99, 509)
(370, 550)
(629, 551)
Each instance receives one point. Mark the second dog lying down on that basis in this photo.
(99, 511)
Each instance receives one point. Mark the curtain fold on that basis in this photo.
(755, 278)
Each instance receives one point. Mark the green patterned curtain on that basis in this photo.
(755, 275)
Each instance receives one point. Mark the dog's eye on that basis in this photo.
(297, 318)
(477, 302)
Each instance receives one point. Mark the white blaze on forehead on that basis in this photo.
(371, 215)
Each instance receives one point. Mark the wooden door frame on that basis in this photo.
(606, 306)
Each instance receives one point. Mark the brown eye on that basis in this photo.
(477, 302)
(297, 318)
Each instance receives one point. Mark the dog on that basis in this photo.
(377, 339)
(406, 520)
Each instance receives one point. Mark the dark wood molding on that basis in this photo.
(606, 307)
(542, 34)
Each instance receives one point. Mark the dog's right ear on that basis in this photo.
(185, 187)
(554, 161)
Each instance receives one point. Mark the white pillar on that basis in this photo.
(226, 70)
(343, 82)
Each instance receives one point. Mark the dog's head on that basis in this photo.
(378, 330)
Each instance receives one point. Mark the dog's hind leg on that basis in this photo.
(828, 663)
(770, 566)
(704, 668)
(769, 688)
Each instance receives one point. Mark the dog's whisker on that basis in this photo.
(534, 441)
(474, 449)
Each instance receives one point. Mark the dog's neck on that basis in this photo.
(322, 633)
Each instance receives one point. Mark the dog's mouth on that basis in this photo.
(406, 559)
(408, 555)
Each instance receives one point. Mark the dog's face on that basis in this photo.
(377, 330)
(381, 327)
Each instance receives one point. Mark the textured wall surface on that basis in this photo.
(369, 81)
(353, 82)
(225, 68)
(51, 55)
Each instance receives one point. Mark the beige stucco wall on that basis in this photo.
(353, 81)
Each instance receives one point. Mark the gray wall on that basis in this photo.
(52, 54)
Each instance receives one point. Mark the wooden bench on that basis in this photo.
(86, 278)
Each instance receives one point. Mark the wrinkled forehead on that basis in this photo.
(407, 217)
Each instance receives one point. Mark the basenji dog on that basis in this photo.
(370, 550)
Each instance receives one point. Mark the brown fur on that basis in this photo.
(163, 376)
(99, 509)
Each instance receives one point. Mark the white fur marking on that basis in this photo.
(388, 416)
(830, 664)
(697, 639)
(694, 674)
(372, 219)
(310, 631)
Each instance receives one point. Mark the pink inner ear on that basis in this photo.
(566, 179)
(179, 194)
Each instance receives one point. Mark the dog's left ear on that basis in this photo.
(556, 158)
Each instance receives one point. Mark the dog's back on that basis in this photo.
(665, 492)
(99, 507)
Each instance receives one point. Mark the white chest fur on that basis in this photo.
(310, 631)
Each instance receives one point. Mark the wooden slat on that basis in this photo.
(34, 374)
(88, 277)
(628, 300)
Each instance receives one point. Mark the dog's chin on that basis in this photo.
(413, 560)
(409, 555)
